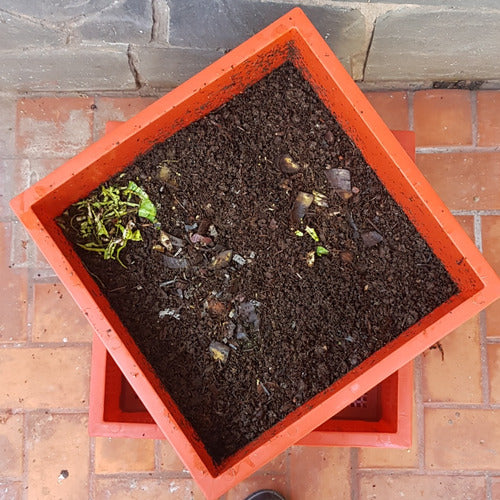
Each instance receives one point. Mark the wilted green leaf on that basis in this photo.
(147, 210)
(312, 233)
(321, 251)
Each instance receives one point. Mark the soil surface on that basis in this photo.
(290, 327)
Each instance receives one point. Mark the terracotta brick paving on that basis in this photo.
(45, 451)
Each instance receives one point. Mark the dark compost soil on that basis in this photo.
(292, 330)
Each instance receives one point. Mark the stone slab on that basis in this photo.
(54, 10)
(66, 69)
(129, 22)
(476, 4)
(435, 45)
(168, 67)
(223, 25)
(16, 33)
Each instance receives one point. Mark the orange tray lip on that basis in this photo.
(350, 432)
(215, 480)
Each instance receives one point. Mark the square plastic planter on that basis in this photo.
(381, 418)
(293, 38)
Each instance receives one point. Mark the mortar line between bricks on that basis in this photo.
(478, 239)
(147, 474)
(354, 476)
(475, 212)
(426, 472)
(25, 459)
(485, 376)
(91, 466)
(43, 411)
(473, 109)
(492, 340)
(157, 455)
(487, 481)
(411, 120)
(457, 149)
(43, 345)
(419, 410)
(30, 307)
(438, 405)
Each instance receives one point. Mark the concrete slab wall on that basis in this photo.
(156, 44)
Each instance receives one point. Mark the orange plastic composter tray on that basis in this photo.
(381, 418)
(290, 38)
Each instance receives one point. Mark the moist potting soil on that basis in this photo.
(283, 262)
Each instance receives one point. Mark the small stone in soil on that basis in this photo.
(300, 205)
(248, 314)
(347, 257)
(173, 263)
(169, 312)
(219, 351)
(239, 259)
(198, 238)
(240, 333)
(371, 238)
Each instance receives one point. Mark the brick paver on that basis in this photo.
(58, 455)
(392, 107)
(57, 318)
(464, 181)
(488, 118)
(124, 455)
(11, 445)
(442, 118)
(454, 374)
(45, 353)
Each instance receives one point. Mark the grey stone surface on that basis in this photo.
(222, 24)
(475, 4)
(54, 10)
(7, 125)
(438, 45)
(168, 67)
(69, 68)
(130, 21)
(16, 33)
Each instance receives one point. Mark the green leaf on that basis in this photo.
(147, 210)
(321, 251)
(312, 233)
(298, 232)
(146, 206)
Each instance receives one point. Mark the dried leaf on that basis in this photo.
(371, 238)
(301, 204)
(287, 165)
(219, 351)
(222, 259)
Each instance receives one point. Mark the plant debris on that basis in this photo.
(340, 181)
(219, 351)
(222, 259)
(105, 221)
(302, 202)
(287, 165)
